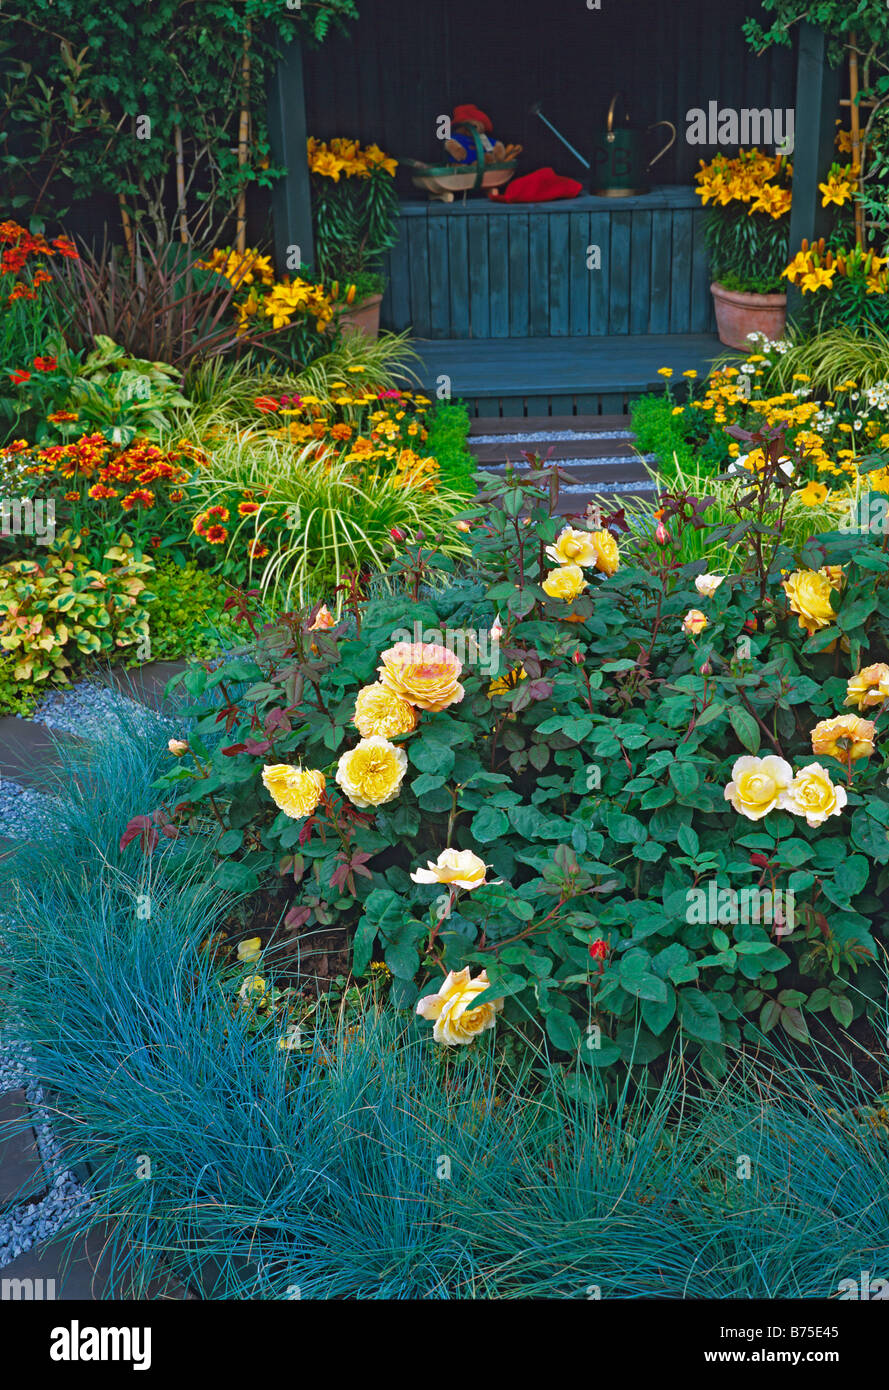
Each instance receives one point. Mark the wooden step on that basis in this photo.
(515, 424)
(554, 448)
(589, 474)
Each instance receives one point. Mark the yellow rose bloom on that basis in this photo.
(296, 791)
(607, 553)
(566, 582)
(694, 622)
(813, 795)
(460, 867)
(372, 773)
(758, 785)
(707, 584)
(870, 687)
(422, 673)
(380, 711)
(846, 738)
(573, 547)
(456, 1021)
(809, 595)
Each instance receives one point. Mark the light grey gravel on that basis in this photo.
(24, 1226)
(87, 709)
(602, 462)
(23, 812)
(547, 436)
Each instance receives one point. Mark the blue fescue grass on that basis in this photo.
(371, 1163)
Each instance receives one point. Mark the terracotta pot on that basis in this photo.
(362, 318)
(738, 314)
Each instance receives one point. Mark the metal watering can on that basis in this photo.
(618, 167)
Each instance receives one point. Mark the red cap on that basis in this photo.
(464, 114)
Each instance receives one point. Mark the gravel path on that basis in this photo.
(26, 1225)
(86, 709)
(547, 436)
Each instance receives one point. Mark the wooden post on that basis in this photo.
(857, 149)
(817, 99)
(291, 199)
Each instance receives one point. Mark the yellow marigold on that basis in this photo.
(381, 711)
(812, 794)
(813, 494)
(758, 785)
(456, 1021)
(870, 687)
(573, 547)
(423, 673)
(809, 595)
(460, 867)
(296, 791)
(371, 773)
(566, 582)
(846, 738)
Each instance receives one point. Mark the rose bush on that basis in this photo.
(675, 840)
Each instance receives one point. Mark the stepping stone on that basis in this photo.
(27, 748)
(22, 1175)
(86, 1277)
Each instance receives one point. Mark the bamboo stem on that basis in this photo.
(857, 147)
(180, 183)
(243, 140)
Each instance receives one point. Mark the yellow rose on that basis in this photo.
(178, 747)
(456, 1021)
(607, 553)
(566, 582)
(379, 711)
(423, 674)
(371, 773)
(870, 687)
(758, 785)
(813, 795)
(296, 791)
(460, 867)
(694, 622)
(809, 595)
(573, 547)
(845, 738)
(707, 584)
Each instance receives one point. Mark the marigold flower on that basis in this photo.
(257, 550)
(812, 794)
(422, 673)
(456, 1021)
(758, 785)
(295, 790)
(459, 867)
(371, 774)
(870, 687)
(846, 738)
(215, 535)
(380, 711)
(142, 497)
(248, 508)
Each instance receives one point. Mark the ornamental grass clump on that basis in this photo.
(685, 831)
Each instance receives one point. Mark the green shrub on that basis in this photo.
(590, 771)
(446, 442)
(185, 614)
(62, 610)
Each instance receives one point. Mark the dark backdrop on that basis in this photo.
(406, 61)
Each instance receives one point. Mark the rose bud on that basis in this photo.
(178, 747)
(397, 534)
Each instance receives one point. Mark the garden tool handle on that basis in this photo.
(669, 144)
(609, 124)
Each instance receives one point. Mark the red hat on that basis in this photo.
(463, 114)
(541, 186)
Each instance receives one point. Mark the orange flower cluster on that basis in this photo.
(130, 471)
(21, 246)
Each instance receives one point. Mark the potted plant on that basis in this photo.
(355, 221)
(747, 237)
